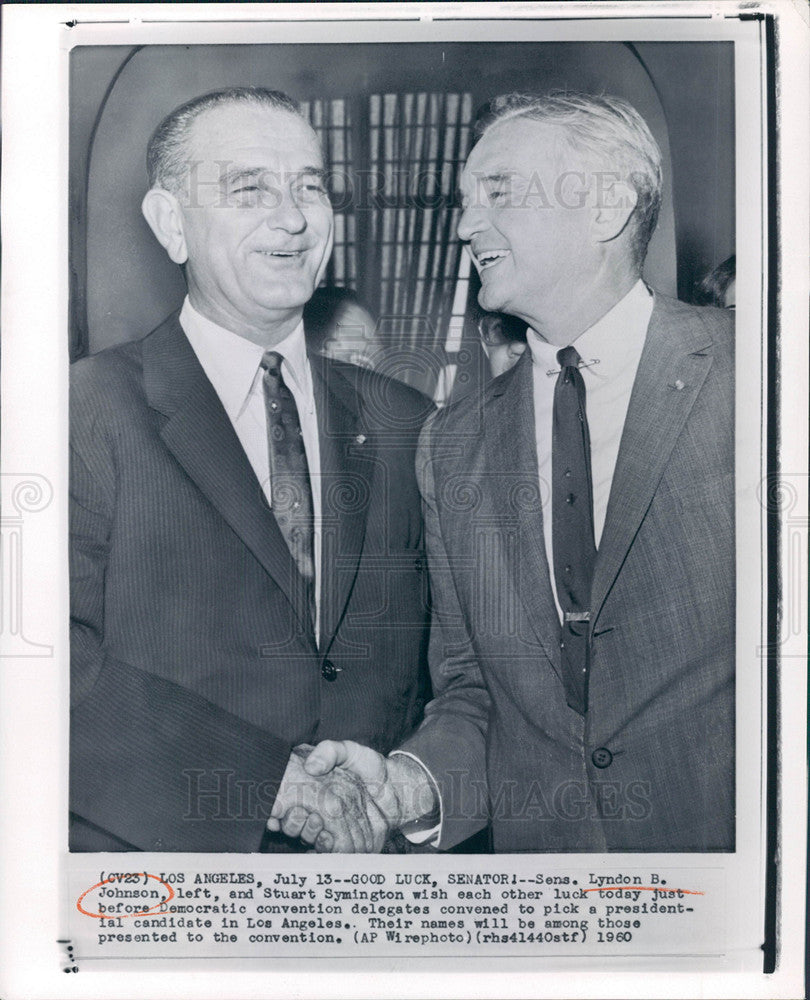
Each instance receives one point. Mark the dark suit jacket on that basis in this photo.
(650, 767)
(194, 664)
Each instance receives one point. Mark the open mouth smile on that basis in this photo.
(489, 258)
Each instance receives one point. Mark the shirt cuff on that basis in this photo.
(423, 831)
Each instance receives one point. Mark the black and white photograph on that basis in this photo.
(429, 536)
(532, 604)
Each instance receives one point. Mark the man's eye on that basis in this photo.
(311, 188)
(249, 196)
(498, 195)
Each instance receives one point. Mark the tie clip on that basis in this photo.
(577, 616)
(580, 364)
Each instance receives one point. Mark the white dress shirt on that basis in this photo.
(610, 351)
(232, 365)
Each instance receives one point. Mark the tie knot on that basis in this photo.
(568, 357)
(271, 363)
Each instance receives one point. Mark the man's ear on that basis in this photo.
(615, 204)
(163, 213)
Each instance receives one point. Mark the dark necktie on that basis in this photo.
(291, 494)
(572, 524)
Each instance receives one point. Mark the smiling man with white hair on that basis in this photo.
(580, 522)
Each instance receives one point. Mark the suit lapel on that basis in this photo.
(199, 434)
(673, 366)
(347, 471)
(512, 478)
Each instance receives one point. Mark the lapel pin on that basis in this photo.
(360, 438)
(678, 385)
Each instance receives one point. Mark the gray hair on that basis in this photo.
(604, 128)
(167, 155)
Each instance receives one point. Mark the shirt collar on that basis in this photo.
(613, 341)
(232, 363)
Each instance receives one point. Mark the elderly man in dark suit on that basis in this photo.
(580, 523)
(246, 535)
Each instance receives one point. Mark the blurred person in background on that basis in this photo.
(503, 339)
(338, 326)
(719, 287)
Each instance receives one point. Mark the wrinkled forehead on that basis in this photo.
(248, 132)
(519, 146)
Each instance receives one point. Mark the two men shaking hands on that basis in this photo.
(350, 798)
(577, 517)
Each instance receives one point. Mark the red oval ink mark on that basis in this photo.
(140, 913)
(644, 888)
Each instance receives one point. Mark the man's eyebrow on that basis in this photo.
(496, 177)
(238, 173)
(319, 172)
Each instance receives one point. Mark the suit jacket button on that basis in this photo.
(602, 757)
(328, 670)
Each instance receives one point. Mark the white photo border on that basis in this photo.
(34, 860)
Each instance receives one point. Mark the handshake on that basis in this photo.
(341, 797)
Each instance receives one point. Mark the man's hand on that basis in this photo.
(398, 790)
(326, 799)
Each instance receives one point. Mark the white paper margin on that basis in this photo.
(34, 311)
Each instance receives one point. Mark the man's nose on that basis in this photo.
(472, 221)
(287, 214)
